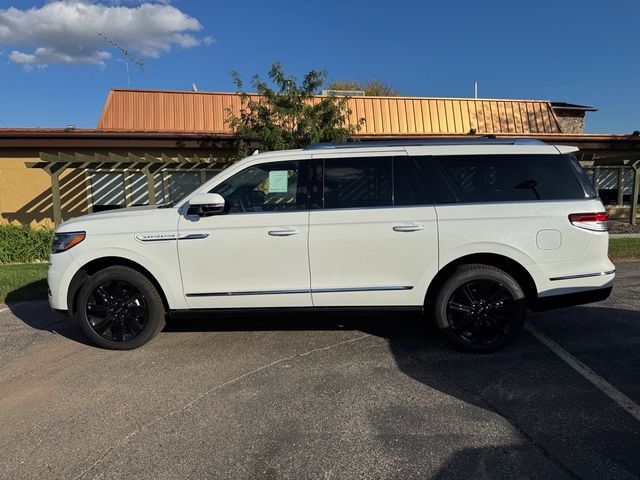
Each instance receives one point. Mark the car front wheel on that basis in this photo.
(120, 309)
(480, 308)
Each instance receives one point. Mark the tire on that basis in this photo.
(120, 309)
(480, 308)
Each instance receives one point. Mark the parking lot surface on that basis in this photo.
(324, 396)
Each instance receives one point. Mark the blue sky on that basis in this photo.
(583, 52)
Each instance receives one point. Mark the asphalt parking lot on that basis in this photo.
(360, 396)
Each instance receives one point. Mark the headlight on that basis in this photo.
(64, 241)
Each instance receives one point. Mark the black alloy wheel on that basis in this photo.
(120, 308)
(480, 308)
(117, 311)
(481, 311)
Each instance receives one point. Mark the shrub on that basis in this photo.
(23, 244)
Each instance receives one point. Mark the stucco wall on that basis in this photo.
(25, 193)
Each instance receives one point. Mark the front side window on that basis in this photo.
(268, 187)
(357, 182)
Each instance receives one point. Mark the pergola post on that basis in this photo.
(635, 192)
(55, 198)
(151, 187)
(620, 186)
(56, 204)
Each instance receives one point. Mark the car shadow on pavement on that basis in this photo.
(573, 427)
(568, 419)
(38, 315)
(576, 430)
(553, 408)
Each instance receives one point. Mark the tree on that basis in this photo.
(287, 116)
(374, 88)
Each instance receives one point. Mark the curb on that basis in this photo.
(624, 235)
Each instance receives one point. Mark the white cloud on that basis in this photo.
(68, 31)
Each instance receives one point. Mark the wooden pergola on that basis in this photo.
(148, 164)
(153, 152)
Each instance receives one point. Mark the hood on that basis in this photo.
(114, 217)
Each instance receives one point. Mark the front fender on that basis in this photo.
(167, 275)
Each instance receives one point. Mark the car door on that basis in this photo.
(256, 253)
(366, 248)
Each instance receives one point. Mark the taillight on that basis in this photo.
(596, 221)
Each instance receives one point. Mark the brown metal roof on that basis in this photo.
(206, 112)
(89, 139)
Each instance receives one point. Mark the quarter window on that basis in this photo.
(268, 187)
(510, 178)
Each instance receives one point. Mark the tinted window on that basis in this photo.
(268, 187)
(491, 178)
(357, 182)
(585, 181)
(416, 182)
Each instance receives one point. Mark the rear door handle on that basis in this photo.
(282, 232)
(408, 227)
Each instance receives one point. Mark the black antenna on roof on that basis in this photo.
(128, 56)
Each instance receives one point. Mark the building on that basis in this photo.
(154, 146)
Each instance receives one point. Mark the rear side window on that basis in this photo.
(357, 182)
(510, 178)
(416, 182)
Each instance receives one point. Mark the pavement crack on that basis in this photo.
(187, 405)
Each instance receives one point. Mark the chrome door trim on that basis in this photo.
(254, 292)
(306, 290)
(382, 288)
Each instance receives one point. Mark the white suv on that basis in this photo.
(474, 232)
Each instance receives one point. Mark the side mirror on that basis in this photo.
(206, 204)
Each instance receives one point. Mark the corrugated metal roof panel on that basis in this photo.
(207, 112)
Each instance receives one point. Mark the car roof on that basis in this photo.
(488, 145)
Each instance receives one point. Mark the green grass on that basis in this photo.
(23, 282)
(20, 283)
(624, 248)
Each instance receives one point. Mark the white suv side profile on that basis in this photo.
(475, 232)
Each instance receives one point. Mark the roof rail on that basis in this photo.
(418, 142)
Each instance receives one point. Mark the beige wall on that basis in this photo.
(25, 193)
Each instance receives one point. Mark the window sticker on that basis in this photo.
(278, 181)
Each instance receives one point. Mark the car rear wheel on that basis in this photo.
(120, 309)
(480, 308)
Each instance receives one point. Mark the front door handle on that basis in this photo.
(282, 232)
(408, 227)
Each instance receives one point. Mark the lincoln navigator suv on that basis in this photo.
(473, 232)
